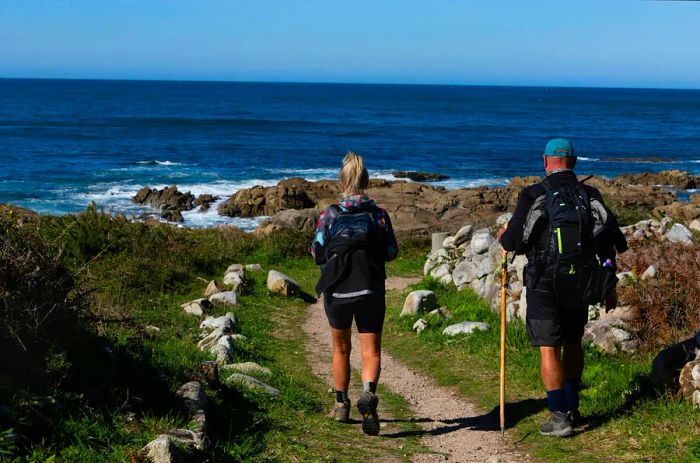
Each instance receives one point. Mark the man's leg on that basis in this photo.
(553, 378)
(572, 360)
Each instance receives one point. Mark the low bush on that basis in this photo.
(668, 304)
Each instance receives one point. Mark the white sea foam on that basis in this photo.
(584, 158)
(160, 163)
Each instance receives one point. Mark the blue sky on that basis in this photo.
(632, 43)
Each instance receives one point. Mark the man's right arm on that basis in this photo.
(512, 237)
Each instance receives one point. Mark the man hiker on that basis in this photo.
(570, 239)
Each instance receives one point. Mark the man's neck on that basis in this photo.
(556, 171)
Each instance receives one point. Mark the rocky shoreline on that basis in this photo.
(420, 209)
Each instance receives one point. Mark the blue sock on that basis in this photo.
(556, 400)
(572, 388)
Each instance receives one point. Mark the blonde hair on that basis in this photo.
(354, 177)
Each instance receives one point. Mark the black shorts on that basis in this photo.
(368, 315)
(552, 320)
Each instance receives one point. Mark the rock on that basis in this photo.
(162, 450)
(522, 306)
(624, 279)
(465, 328)
(192, 397)
(481, 242)
(419, 301)
(196, 307)
(649, 273)
(442, 274)
(223, 350)
(463, 235)
(449, 242)
(419, 176)
(420, 325)
(679, 233)
(205, 201)
(464, 273)
(504, 219)
(441, 312)
(233, 280)
(211, 289)
(253, 268)
(675, 178)
(435, 259)
(485, 268)
(172, 216)
(187, 437)
(224, 323)
(252, 383)
(171, 201)
(689, 379)
(437, 240)
(624, 313)
(665, 224)
(226, 298)
(249, 368)
(639, 235)
(210, 373)
(303, 220)
(610, 336)
(278, 282)
(695, 224)
(152, 331)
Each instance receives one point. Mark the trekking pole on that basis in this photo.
(504, 283)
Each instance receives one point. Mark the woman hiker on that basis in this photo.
(354, 239)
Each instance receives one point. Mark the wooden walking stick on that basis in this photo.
(504, 283)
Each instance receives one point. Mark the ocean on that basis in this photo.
(66, 143)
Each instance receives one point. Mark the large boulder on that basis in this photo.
(465, 328)
(611, 336)
(481, 242)
(679, 233)
(278, 282)
(169, 200)
(419, 301)
(464, 273)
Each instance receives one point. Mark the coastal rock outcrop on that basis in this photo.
(172, 202)
(419, 176)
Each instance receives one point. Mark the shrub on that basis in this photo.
(667, 305)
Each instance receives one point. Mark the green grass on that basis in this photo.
(629, 423)
(112, 392)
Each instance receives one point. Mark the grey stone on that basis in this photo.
(162, 450)
(248, 368)
(465, 328)
(278, 282)
(437, 240)
(152, 331)
(187, 437)
(481, 242)
(223, 352)
(419, 301)
(463, 235)
(210, 339)
(441, 312)
(504, 219)
(211, 289)
(464, 273)
(485, 268)
(227, 298)
(610, 336)
(695, 225)
(225, 322)
(252, 383)
(253, 267)
(649, 273)
(442, 274)
(233, 280)
(679, 233)
(196, 307)
(435, 259)
(192, 396)
(625, 278)
(420, 325)
(235, 268)
(449, 242)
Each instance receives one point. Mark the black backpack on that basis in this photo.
(357, 226)
(570, 258)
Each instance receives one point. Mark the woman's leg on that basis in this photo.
(371, 348)
(341, 358)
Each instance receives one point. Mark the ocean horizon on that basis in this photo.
(65, 143)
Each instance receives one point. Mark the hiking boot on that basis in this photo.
(574, 417)
(367, 406)
(341, 412)
(559, 425)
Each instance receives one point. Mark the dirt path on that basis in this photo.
(452, 427)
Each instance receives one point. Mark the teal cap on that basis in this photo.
(559, 147)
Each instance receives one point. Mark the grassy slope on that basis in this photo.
(628, 424)
(137, 282)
